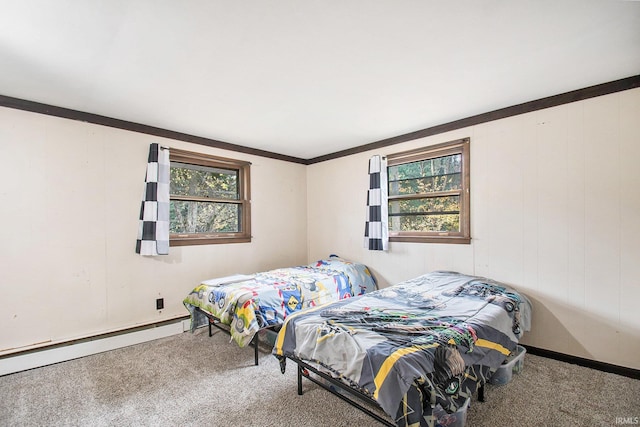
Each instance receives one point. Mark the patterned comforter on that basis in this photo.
(250, 303)
(426, 341)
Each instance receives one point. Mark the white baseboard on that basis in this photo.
(36, 359)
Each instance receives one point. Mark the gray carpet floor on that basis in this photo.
(197, 380)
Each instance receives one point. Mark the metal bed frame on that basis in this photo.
(214, 321)
(304, 370)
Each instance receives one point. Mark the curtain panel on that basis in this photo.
(376, 232)
(153, 231)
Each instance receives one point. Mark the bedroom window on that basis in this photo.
(429, 194)
(209, 200)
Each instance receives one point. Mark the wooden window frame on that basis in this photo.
(244, 200)
(460, 146)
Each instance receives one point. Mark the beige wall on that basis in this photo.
(555, 205)
(70, 196)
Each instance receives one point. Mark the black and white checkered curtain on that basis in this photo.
(376, 231)
(153, 233)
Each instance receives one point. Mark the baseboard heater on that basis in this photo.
(48, 354)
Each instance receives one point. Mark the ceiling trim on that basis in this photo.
(527, 107)
(66, 113)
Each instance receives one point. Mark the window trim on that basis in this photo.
(244, 192)
(459, 146)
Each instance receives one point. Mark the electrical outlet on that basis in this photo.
(159, 303)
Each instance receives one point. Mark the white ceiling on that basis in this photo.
(306, 78)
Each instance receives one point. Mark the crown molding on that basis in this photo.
(527, 107)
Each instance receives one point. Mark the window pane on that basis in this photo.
(425, 205)
(426, 223)
(202, 181)
(426, 176)
(429, 214)
(204, 217)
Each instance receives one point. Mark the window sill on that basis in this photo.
(192, 241)
(432, 239)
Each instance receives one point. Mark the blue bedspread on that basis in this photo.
(250, 303)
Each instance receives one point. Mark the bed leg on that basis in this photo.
(299, 380)
(481, 393)
(256, 341)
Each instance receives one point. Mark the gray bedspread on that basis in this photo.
(426, 341)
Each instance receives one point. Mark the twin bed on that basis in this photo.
(397, 353)
(244, 305)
